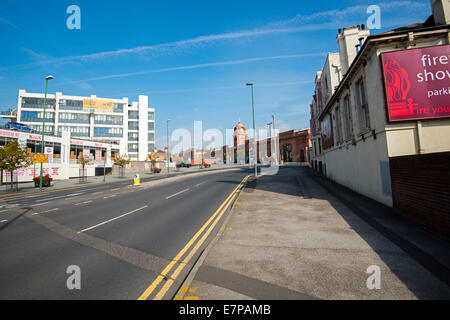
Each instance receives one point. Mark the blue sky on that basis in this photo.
(192, 58)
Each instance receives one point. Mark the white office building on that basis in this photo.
(132, 126)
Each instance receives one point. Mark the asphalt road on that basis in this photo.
(123, 239)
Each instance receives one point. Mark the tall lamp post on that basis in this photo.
(270, 140)
(276, 140)
(168, 154)
(43, 127)
(254, 129)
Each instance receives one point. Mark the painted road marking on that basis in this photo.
(114, 189)
(65, 196)
(186, 260)
(167, 269)
(50, 210)
(39, 195)
(55, 209)
(177, 193)
(200, 183)
(84, 202)
(107, 221)
(4, 221)
(40, 204)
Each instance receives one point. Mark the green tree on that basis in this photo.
(122, 161)
(13, 157)
(83, 162)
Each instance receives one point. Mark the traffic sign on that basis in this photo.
(40, 158)
(152, 155)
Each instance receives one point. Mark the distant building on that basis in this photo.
(380, 116)
(293, 146)
(132, 126)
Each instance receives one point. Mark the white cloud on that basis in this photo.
(203, 65)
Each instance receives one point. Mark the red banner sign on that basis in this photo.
(327, 132)
(417, 83)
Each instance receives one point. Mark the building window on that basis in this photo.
(38, 103)
(118, 107)
(133, 114)
(65, 104)
(108, 119)
(67, 117)
(363, 110)
(348, 119)
(133, 125)
(108, 132)
(151, 115)
(151, 126)
(36, 116)
(75, 131)
(337, 125)
(133, 136)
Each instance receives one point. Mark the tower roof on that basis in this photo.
(238, 126)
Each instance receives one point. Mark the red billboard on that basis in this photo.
(327, 132)
(417, 83)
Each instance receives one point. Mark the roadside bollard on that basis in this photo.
(137, 179)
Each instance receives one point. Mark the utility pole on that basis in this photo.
(43, 127)
(254, 130)
(276, 140)
(168, 154)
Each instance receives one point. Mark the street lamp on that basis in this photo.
(276, 140)
(168, 154)
(43, 127)
(254, 129)
(270, 132)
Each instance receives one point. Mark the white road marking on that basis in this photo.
(39, 195)
(65, 196)
(97, 192)
(200, 183)
(177, 193)
(4, 210)
(114, 189)
(4, 221)
(84, 202)
(50, 210)
(121, 216)
(40, 204)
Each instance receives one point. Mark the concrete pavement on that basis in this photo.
(297, 235)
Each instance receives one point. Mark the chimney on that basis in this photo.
(348, 40)
(441, 11)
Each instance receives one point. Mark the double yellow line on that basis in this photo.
(212, 221)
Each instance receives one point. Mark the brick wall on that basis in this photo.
(421, 188)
